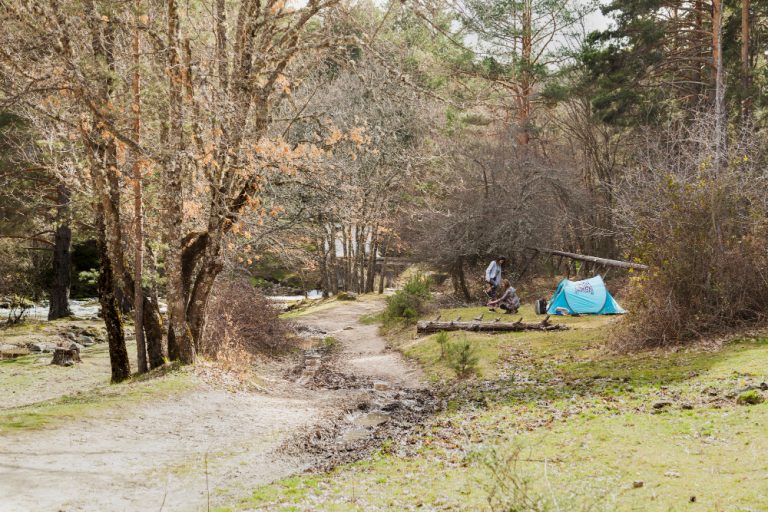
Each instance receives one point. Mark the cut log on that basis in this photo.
(66, 356)
(593, 259)
(427, 327)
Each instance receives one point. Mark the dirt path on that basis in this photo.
(364, 352)
(176, 454)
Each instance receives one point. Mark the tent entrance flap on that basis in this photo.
(589, 296)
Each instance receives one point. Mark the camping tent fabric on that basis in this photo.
(589, 296)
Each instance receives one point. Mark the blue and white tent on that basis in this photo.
(589, 296)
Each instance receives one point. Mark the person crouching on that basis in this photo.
(509, 301)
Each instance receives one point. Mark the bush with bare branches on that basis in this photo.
(695, 211)
(243, 322)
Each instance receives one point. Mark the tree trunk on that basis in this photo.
(103, 154)
(383, 265)
(110, 310)
(198, 301)
(153, 331)
(325, 279)
(62, 258)
(371, 276)
(457, 277)
(179, 334)
(345, 258)
(334, 266)
(362, 239)
(717, 63)
(745, 73)
(138, 213)
(525, 85)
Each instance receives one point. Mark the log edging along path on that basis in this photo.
(432, 326)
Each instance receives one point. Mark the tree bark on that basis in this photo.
(62, 258)
(110, 310)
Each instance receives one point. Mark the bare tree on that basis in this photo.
(224, 67)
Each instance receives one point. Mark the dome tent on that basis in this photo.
(589, 296)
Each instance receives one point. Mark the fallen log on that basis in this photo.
(593, 259)
(431, 326)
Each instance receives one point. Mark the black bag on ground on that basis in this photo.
(541, 306)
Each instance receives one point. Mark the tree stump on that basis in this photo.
(66, 356)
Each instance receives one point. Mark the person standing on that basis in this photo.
(493, 276)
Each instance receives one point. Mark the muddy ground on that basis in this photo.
(212, 443)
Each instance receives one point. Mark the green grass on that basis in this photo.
(24, 328)
(578, 423)
(311, 307)
(52, 412)
(370, 319)
(586, 336)
(315, 306)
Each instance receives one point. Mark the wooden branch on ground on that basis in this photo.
(594, 259)
(430, 326)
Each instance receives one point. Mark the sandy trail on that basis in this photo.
(364, 352)
(176, 454)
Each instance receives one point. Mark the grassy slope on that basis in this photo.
(88, 402)
(35, 394)
(577, 427)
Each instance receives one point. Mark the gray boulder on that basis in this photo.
(85, 341)
(41, 346)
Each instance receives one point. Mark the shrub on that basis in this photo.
(462, 358)
(410, 302)
(242, 320)
(17, 308)
(750, 397)
(507, 488)
(701, 227)
(259, 282)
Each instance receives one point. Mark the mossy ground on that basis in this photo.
(311, 306)
(90, 401)
(574, 425)
(35, 394)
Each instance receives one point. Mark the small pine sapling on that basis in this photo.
(462, 358)
(442, 340)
